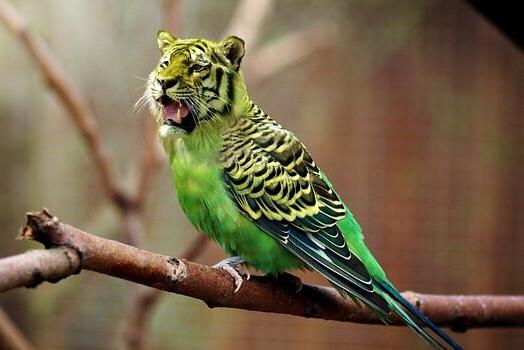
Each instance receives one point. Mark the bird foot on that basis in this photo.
(236, 268)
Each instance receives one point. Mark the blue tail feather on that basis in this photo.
(404, 309)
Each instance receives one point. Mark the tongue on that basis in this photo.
(175, 112)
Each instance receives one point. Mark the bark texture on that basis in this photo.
(80, 250)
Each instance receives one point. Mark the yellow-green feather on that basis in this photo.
(203, 198)
(252, 187)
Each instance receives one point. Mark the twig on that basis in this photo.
(132, 227)
(266, 294)
(131, 208)
(247, 20)
(151, 161)
(291, 48)
(196, 248)
(10, 335)
(69, 95)
(170, 11)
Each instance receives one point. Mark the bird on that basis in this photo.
(253, 187)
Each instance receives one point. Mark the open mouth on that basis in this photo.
(177, 114)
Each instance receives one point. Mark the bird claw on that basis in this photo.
(235, 267)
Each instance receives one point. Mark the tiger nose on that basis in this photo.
(167, 83)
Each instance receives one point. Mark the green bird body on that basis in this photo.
(203, 198)
(197, 163)
(252, 186)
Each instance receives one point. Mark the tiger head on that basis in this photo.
(195, 81)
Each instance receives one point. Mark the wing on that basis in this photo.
(276, 184)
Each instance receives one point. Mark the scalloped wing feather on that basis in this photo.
(275, 183)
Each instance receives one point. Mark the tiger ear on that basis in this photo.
(233, 48)
(164, 39)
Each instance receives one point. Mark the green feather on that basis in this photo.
(252, 186)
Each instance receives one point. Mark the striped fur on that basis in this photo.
(204, 75)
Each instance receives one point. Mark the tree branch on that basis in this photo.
(170, 11)
(146, 298)
(131, 208)
(33, 267)
(10, 335)
(151, 161)
(248, 19)
(215, 287)
(291, 47)
(69, 95)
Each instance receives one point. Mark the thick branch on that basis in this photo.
(33, 267)
(146, 298)
(264, 294)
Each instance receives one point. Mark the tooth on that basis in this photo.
(178, 119)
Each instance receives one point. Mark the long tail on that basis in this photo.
(411, 315)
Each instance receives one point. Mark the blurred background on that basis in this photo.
(414, 109)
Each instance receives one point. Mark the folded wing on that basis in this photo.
(275, 183)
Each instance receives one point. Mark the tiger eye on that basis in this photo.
(198, 67)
